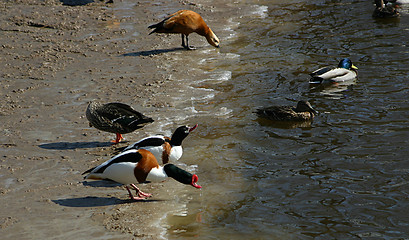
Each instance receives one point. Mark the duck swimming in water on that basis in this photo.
(302, 112)
(116, 118)
(186, 22)
(345, 71)
(383, 10)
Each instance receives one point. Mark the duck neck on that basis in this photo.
(176, 140)
(203, 31)
(178, 174)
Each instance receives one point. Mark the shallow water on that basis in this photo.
(345, 175)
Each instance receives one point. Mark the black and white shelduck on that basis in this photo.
(165, 148)
(139, 166)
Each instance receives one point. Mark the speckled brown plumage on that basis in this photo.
(116, 118)
(302, 112)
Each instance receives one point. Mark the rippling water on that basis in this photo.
(344, 176)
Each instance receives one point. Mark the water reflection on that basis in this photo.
(333, 90)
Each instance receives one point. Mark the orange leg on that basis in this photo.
(118, 138)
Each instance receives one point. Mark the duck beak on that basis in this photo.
(354, 67)
(193, 128)
(195, 178)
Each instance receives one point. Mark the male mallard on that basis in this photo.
(384, 11)
(345, 71)
(303, 112)
(117, 118)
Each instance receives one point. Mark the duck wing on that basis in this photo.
(152, 141)
(123, 117)
(128, 156)
(165, 26)
(338, 74)
(277, 113)
(320, 71)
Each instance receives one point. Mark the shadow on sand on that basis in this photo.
(76, 2)
(97, 201)
(73, 145)
(91, 201)
(152, 52)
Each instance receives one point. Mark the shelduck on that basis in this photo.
(139, 166)
(186, 22)
(165, 148)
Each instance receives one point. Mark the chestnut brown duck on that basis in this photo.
(116, 118)
(186, 22)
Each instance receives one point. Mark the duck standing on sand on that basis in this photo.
(186, 22)
(139, 166)
(165, 148)
(345, 71)
(303, 112)
(117, 118)
(384, 11)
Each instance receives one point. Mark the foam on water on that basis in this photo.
(260, 11)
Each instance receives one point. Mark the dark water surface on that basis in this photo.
(345, 176)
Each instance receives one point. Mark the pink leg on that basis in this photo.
(140, 193)
(132, 197)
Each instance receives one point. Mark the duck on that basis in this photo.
(345, 71)
(118, 118)
(168, 149)
(302, 112)
(186, 22)
(384, 11)
(139, 166)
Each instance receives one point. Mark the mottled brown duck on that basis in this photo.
(302, 112)
(116, 118)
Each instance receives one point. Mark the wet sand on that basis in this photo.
(55, 59)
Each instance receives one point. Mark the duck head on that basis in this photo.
(305, 106)
(180, 134)
(181, 175)
(347, 64)
(212, 39)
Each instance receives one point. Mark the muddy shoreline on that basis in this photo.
(56, 58)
